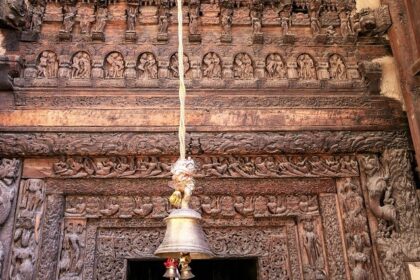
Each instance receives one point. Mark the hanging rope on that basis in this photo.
(182, 91)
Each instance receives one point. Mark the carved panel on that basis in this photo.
(269, 244)
(35, 144)
(27, 232)
(215, 166)
(9, 180)
(211, 207)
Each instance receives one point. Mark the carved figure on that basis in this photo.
(182, 182)
(101, 19)
(131, 14)
(212, 68)
(164, 15)
(360, 258)
(313, 251)
(144, 206)
(71, 258)
(226, 20)
(8, 174)
(85, 20)
(47, 65)
(306, 67)
(242, 67)
(194, 15)
(36, 20)
(114, 68)
(69, 17)
(345, 27)
(314, 17)
(173, 65)
(337, 68)
(285, 19)
(81, 66)
(275, 66)
(147, 66)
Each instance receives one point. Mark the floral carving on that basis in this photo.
(212, 67)
(147, 66)
(338, 69)
(81, 66)
(275, 67)
(306, 67)
(47, 65)
(114, 66)
(242, 67)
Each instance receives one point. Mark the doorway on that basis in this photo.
(214, 269)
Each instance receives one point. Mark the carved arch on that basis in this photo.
(243, 66)
(114, 65)
(212, 66)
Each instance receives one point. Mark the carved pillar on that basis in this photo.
(64, 69)
(98, 67)
(130, 70)
(9, 180)
(333, 236)
(361, 260)
(393, 204)
(27, 232)
(227, 68)
(51, 231)
(323, 73)
(30, 67)
(163, 66)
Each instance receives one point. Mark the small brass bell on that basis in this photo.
(186, 273)
(171, 269)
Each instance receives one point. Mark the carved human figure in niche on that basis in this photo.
(144, 206)
(36, 20)
(173, 65)
(337, 68)
(226, 20)
(345, 26)
(306, 67)
(85, 20)
(314, 17)
(71, 261)
(131, 14)
(114, 68)
(24, 267)
(360, 259)
(164, 14)
(81, 67)
(285, 18)
(212, 68)
(101, 19)
(312, 245)
(194, 16)
(275, 66)
(47, 65)
(242, 66)
(69, 17)
(147, 66)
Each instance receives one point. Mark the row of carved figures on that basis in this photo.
(147, 67)
(322, 18)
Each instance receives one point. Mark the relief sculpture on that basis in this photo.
(47, 65)
(212, 67)
(242, 67)
(208, 166)
(81, 66)
(27, 232)
(147, 66)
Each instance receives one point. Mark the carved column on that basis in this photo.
(9, 180)
(51, 231)
(394, 210)
(361, 260)
(27, 232)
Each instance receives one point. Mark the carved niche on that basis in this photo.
(275, 67)
(147, 66)
(81, 66)
(212, 66)
(173, 66)
(114, 66)
(243, 68)
(27, 232)
(47, 66)
(338, 70)
(306, 67)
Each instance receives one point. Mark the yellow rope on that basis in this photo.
(182, 91)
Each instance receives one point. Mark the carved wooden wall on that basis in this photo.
(302, 163)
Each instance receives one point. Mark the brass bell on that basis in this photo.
(186, 273)
(184, 234)
(171, 269)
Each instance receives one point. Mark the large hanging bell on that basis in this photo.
(184, 234)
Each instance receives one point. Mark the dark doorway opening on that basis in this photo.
(214, 269)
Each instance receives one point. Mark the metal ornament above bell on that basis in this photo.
(184, 234)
